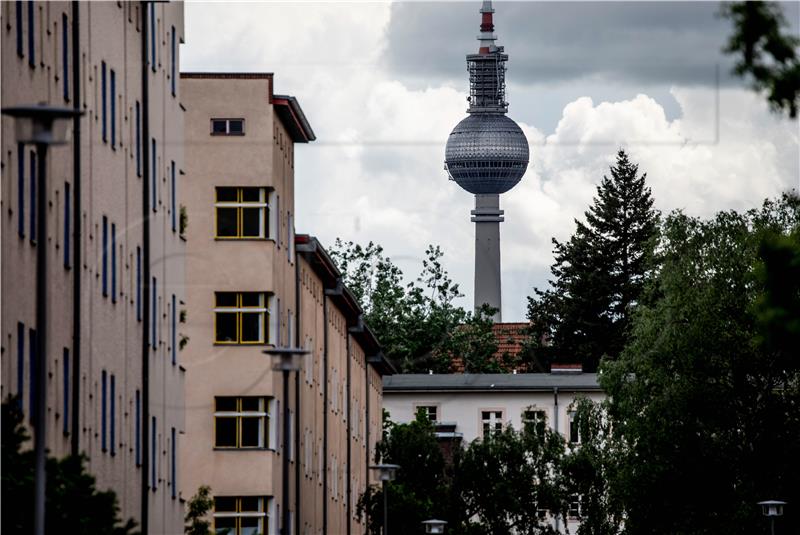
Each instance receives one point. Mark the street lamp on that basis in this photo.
(286, 359)
(772, 509)
(434, 526)
(386, 473)
(42, 126)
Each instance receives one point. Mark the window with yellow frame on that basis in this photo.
(241, 318)
(241, 422)
(241, 213)
(241, 515)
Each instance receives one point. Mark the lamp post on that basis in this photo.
(386, 473)
(285, 360)
(434, 526)
(40, 125)
(772, 509)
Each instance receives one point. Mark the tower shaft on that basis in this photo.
(487, 217)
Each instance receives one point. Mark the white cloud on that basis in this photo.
(375, 172)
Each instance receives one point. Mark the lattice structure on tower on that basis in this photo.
(487, 82)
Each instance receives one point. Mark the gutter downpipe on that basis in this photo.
(75, 440)
(146, 170)
(349, 508)
(325, 414)
(555, 428)
(297, 315)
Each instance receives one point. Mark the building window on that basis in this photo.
(533, 419)
(431, 411)
(154, 179)
(113, 109)
(104, 410)
(21, 190)
(242, 213)
(65, 55)
(574, 434)
(18, 13)
(32, 371)
(243, 515)
(113, 413)
(241, 422)
(103, 99)
(105, 257)
(32, 221)
(138, 429)
(20, 363)
(65, 406)
(152, 9)
(173, 199)
(113, 263)
(173, 333)
(31, 22)
(67, 223)
(153, 337)
(491, 422)
(173, 465)
(227, 127)
(173, 60)
(138, 283)
(153, 453)
(574, 509)
(240, 318)
(138, 141)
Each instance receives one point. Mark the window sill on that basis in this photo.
(222, 238)
(237, 344)
(216, 448)
(225, 134)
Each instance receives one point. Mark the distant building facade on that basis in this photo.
(115, 258)
(252, 284)
(466, 407)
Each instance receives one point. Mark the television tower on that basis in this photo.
(487, 154)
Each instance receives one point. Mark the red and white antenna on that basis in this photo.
(487, 37)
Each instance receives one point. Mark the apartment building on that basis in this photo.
(252, 285)
(466, 407)
(115, 255)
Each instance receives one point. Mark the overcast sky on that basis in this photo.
(382, 85)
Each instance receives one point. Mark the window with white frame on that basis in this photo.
(574, 434)
(431, 411)
(241, 213)
(491, 422)
(575, 506)
(242, 515)
(227, 127)
(241, 317)
(241, 422)
(534, 419)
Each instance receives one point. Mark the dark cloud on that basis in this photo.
(650, 43)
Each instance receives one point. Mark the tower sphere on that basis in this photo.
(486, 153)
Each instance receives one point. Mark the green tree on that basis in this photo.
(598, 275)
(409, 319)
(705, 397)
(590, 469)
(419, 491)
(72, 500)
(473, 344)
(510, 481)
(766, 54)
(197, 511)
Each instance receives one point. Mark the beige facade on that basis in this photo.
(252, 285)
(126, 261)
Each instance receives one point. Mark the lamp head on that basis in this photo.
(772, 508)
(41, 124)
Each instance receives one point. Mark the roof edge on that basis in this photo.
(294, 119)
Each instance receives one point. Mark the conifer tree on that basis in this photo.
(598, 274)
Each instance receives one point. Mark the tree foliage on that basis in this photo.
(419, 491)
(416, 322)
(706, 396)
(72, 500)
(598, 274)
(765, 53)
(197, 511)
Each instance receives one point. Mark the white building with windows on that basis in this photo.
(466, 407)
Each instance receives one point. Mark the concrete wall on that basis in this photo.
(111, 335)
